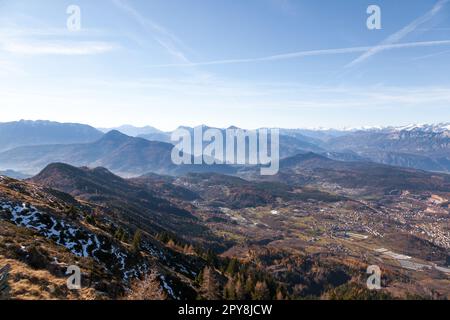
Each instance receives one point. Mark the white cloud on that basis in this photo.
(17, 32)
(35, 47)
(52, 41)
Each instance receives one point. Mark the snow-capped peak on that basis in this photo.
(435, 128)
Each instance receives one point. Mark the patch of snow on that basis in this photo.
(168, 288)
(79, 242)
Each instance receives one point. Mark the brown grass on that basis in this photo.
(28, 284)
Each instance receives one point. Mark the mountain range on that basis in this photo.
(30, 146)
(29, 133)
(425, 147)
(122, 154)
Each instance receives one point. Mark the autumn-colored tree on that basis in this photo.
(230, 290)
(249, 284)
(189, 249)
(171, 244)
(147, 289)
(209, 287)
(280, 295)
(240, 290)
(261, 291)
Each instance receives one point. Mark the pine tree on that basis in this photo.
(71, 212)
(91, 220)
(232, 267)
(136, 245)
(119, 234)
(211, 258)
(124, 237)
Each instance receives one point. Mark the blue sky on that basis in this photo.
(252, 63)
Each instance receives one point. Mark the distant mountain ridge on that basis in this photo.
(290, 144)
(28, 146)
(13, 174)
(133, 131)
(28, 133)
(114, 150)
(425, 147)
(437, 128)
(119, 153)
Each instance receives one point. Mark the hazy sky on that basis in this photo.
(252, 63)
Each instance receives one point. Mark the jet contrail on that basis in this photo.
(311, 53)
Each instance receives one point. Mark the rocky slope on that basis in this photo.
(43, 231)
